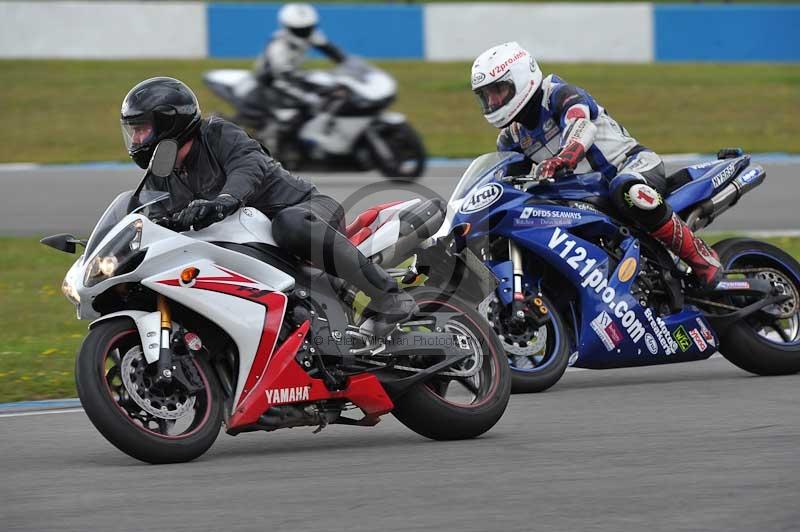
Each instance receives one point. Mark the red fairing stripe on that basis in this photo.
(276, 305)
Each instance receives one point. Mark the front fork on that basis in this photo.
(518, 303)
(164, 374)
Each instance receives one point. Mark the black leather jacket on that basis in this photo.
(225, 160)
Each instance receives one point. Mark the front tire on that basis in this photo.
(538, 355)
(758, 343)
(185, 428)
(440, 408)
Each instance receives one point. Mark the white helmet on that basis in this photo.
(300, 19)
(505, 78)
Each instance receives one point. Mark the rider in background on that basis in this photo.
(558, 126)
(219, 169)
(277, 68)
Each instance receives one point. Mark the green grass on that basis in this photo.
(39, 334)
(67, 111)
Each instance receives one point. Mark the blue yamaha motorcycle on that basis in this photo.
(577, 286)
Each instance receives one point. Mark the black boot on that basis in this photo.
(389, 303)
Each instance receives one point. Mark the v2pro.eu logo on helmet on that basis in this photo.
(482, 198)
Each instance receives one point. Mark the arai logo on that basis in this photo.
(651, 344)
(482, 198)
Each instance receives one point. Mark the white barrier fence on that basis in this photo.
(93, 30)
(553, 32)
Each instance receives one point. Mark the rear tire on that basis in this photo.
(408, 152)
(742, 344)
(427, 413)
(97, 386)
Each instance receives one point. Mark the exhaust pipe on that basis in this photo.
(416, 225)
(726, 198)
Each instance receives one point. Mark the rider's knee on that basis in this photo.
(639, 201)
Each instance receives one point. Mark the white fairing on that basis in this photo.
(337, 135)
(243, 320)
(240, 82)
(168, 253)
(246, 225)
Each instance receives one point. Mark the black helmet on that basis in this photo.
(154, 110)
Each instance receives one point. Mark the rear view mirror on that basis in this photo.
(62, 242)
(163, 161)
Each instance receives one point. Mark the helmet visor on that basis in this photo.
(494, 96)
(137, 133)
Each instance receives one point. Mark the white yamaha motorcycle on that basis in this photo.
(199, 328)
(352, 130)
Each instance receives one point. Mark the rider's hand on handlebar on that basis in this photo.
(201, 213)
(552, 168)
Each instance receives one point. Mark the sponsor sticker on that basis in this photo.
(698, 340)
(288, 395)
(478, 77)
(650, 342)
(708, 336)
(733, 285)
(626, 270)
(749, 175)
(502, 67)
(595, 278)
(606, 330)
(721, 177)
(537, 216)
(482, 198)
(683, 339)
(662, 333)
(583, 206)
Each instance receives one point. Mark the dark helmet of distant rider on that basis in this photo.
(157, 109)
(504, 79)
(299, 19)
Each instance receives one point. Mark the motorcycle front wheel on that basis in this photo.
(155, 424)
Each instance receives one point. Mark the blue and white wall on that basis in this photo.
(621, 32)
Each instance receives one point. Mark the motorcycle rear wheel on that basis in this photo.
(408, 153)
(158, 427)
(758, 344)
(446, 408)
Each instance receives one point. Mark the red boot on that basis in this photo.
(679, 239)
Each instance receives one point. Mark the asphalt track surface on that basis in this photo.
(45, 200)
(699, 446)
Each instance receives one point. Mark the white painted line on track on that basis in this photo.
(42, 412)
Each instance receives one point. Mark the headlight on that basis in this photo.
(117, 256)
(68, 284)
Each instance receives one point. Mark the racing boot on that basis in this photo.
(390, 303)
(678, 238)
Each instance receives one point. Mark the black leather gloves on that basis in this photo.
(199, 214)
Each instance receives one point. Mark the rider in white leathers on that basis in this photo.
(559, 126)
(276, 69)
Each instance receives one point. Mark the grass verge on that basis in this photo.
(39, 334)
(67, 111)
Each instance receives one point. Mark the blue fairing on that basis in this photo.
(614, 329)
